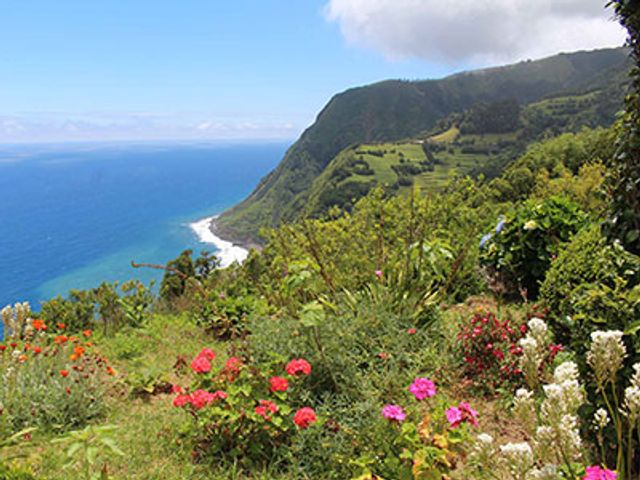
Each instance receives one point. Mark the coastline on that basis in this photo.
(228, 252)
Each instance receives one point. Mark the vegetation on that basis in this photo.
(391, 337)
(395, 110)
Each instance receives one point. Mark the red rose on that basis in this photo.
(304, 417)
(279, 384)
(201, 365)
(298, 365)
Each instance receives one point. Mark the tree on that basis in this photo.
(624, 219)
(175, 278)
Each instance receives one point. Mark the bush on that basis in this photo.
(517, 256)
(489, 348)
(593, 284)
(50, 380)
(244, 413)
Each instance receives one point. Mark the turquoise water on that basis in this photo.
(75, 215)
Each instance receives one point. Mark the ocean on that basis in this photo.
(75, 215)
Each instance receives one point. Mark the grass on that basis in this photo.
(449, 136)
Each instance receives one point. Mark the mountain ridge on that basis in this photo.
(392, 110)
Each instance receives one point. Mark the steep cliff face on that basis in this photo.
(393, 110)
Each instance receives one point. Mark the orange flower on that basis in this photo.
(60, 339)
(64, 373)
(73, 357)
(27, 347)
(73, 339)
(22, 358)
(39, 325)
(89, 344)
(37, 350)
(78, 351)
(87, 333)
(61, 326)
(110, 370)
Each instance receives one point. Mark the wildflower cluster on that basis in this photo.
(241, 411)
(48, 377)
(421, 439)
(537, 352)
(552, 447)
(490, 350)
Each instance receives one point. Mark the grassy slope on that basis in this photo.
(147, 429)
(393, 110)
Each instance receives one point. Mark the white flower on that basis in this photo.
(548, 472)
(518, 458)
(567, 371)
(600, 419)
(635, 378)
(485, 439)
(632, 403)
(606, 355)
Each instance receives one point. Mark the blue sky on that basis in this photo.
(72, 69)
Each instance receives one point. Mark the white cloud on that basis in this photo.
(489, 31)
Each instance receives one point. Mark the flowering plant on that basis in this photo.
(421, 439)
(490, 350)
(49, 378)
(241, 411)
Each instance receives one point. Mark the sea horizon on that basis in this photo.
(75, 214)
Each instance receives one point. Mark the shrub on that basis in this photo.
(519, 253)
(49, 379)
(592, 283)
(489, 348)
(242, 412)
(422, 438)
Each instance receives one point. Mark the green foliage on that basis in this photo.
(594, 284)
(624, 219)
(495, 117)
(174, 281)
(87, 448)
(518, 255)
(109, 307)
(9, 473)
(395, 110)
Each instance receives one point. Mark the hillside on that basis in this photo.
(394, 110)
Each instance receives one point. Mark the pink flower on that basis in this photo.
(298, 365)
(201, 398)
(598, 473)
(393, 413)
(379, 273)
(412, 331)
(208, 354)
(201, 365)
(460, 414)
(422, 388)
(177, 389)
(233, 365)
(454, 416)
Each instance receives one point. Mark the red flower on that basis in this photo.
(68, 390)
(208, 354)
(64, 373)
(39, 325)
(201, 398)
(37, 350)
(298, 365)
(201, 365)
(279, 384)
(181, 400)
(61, 326)
(177, 389)
(60, 339)
(3, 348)
(304, 417)
(233, 365)
(411, 331)
(265, 408)
(87, 333)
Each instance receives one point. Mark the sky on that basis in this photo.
(250, 69)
